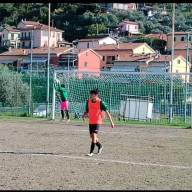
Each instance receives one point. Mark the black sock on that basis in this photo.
(99, 145)
(92, 147)
(62, 114)
(67, 114)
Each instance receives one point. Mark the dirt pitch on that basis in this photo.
(42, 155)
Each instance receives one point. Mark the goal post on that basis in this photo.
(112, 85)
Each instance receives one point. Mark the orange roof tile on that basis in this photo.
(37, 25)
(23, 52)
(179, 33)
(121, 46)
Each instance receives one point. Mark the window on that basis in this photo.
(29, 34)
(178, 61)
(45, 33)
(182, 38)
(113, 58)
(18, 36)
(103, 58)
(87, 45)
(23, 44)
(174, 38)
(85, 64)
(12, 36)
(143, 50)
(190, 38)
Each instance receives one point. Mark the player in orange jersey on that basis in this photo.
(94, 108)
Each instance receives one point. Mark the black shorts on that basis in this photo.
(94, 128)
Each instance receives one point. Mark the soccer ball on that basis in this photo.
(57, 81)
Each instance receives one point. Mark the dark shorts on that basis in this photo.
(94, 128)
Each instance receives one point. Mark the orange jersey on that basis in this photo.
(95, 113)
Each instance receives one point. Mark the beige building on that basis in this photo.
(153, 63)
(93, 42)
(129, 28)
(10, 37)
(39, 34)
(179, 37)
(125, 6)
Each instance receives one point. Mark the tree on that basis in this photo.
(13, 92)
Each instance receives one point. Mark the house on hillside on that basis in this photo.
(153, 63)
(129, 28)
(132, 63)
(179, 37)
(21, 58)
(120, 6)
(125, 6)
(159, 36)
(181, 49)
(90, 61)
(10, 37)
(162, 63)
(38, 33)
(94, 41)
(122, 51)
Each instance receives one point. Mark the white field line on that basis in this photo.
(100, 160)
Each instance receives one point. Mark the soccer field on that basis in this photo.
(41, 154)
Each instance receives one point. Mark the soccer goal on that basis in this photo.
(111, 85)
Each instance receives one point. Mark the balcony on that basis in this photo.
(25, 38)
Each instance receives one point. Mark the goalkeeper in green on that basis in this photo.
(62, 95)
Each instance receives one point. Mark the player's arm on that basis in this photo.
(110, 118)
(85, 114)
(105, 108)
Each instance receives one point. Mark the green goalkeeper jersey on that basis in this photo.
(62, 91)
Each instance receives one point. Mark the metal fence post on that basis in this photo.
(110, 96)
(53, 97)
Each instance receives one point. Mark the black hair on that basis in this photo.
(94, 91)
(62, 85)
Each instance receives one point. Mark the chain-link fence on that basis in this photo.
(15, 93)
(171, 95)
(126, 94)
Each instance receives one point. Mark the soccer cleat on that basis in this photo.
(100, 150)
(90, 154)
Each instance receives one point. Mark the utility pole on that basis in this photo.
(172, 58)
(48, 61)
(30, 81)
(186, 76)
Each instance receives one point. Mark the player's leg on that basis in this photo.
(66, 107)
(62, 110)
(98, 144)
(93, 139)
(62, 114)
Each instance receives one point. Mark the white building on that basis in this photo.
(125, 6)
(129, 28)
(40, 34)
(93, 42)
(10, 37)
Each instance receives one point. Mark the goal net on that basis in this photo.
(112, 85)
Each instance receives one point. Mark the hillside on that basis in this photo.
(79, 20)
